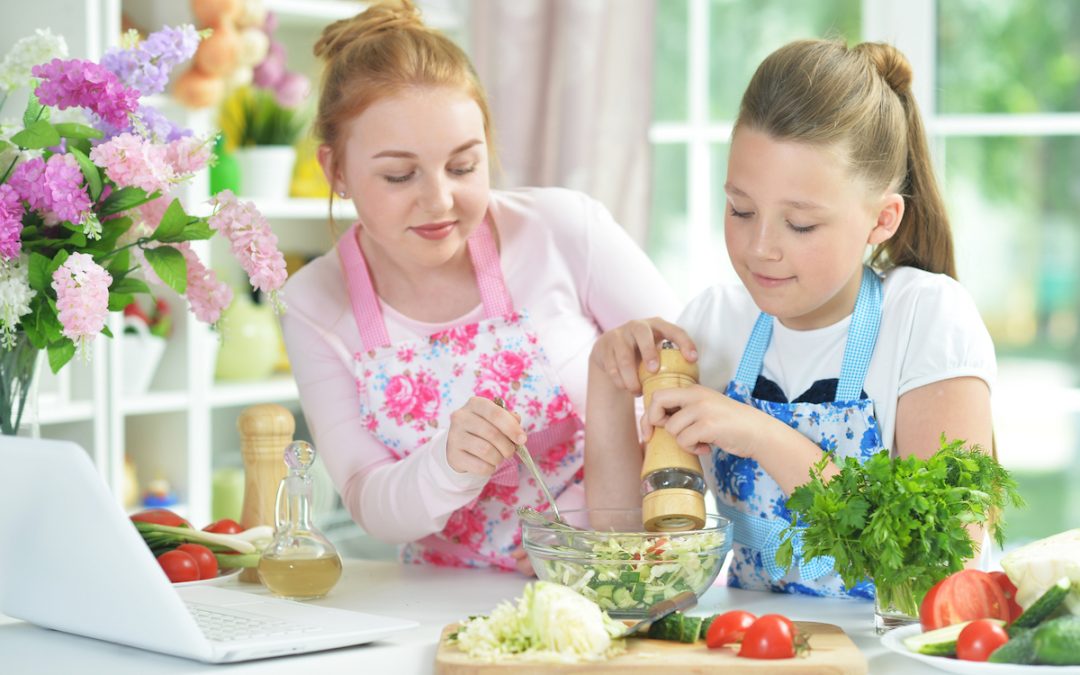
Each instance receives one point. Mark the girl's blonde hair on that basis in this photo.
(380, 52)
(859, 100)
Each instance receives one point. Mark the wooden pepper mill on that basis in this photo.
(265, 431)
(673, 488)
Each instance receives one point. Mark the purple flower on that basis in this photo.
(146, 66)
(11, 213)
(78, 83)
(28, 181)
(291, 90)
(66, 196)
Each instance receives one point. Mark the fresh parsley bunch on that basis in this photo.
(900, 522)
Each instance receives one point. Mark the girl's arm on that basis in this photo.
(613, 453)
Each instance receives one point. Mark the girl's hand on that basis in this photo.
(699, 417)
(521, 560)
(481, 436)
(619, 351)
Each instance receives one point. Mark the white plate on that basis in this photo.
(894, 640)
(221, 578)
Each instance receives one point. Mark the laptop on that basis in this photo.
(71, 560)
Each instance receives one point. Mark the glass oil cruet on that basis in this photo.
(300, 563)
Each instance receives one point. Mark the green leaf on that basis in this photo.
(169, 265)
(124, 199)
(34, 111)
(120, 264)
(130, 285)
(60, 353)
(172, 223)
(40, 277)
(38, 135)
(106, 332)
(59, 259)
(74, 130)
(90, 170)
(118, 301)
(194, 230)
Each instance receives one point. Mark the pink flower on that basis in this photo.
(188, 155)
(551, 459)
(487, 387)
(207, 295)
(410, 398)
(28, 180)
(406, 354)
(508, 366)
(77, 83)
(461, 339)
(560, 408)
(11, 213)
(131, 160)
(291, 90)
(82, 297)
(65, 195)
(466, 526)
(252, 242)
(153, 210)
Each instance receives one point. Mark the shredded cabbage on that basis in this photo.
(549, 623)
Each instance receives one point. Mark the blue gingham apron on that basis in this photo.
(845, 426)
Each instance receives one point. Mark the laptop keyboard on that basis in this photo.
(224, 625)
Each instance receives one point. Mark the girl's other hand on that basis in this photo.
(521, 560)
(699, 417)
(619, 351)
(481, 436)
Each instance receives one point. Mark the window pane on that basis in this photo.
(670, 93)
(1013, 203)
(666, 243)
(721, 271)
(1016, 56)
(743, 32)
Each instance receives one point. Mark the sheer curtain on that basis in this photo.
(570, 84)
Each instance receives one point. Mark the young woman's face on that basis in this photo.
(416, 166)
(797, 226)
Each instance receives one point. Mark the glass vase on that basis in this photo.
(18, 395)
(897, 607)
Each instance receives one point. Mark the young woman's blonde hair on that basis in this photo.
(381, 52)
(858, 100)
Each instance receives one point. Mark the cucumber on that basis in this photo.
(705, 623)
(1057, 642)
(688, 632)
(1020, 649)
(605, 591)
(940, 642)
(622, 598)
(668, 628)
(1044, 607)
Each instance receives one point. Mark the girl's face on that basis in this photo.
(416, 167)
(797, 227)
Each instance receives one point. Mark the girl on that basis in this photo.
(815, 350)
(444, 295)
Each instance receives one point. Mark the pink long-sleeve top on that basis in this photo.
(564, 259)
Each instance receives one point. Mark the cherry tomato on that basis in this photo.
(964, 596)
(179, 566)
(770, 637)
(728, 627)
(979, 639)
(204, 559)
(160, 517)
(1009, 589)
(224, 526)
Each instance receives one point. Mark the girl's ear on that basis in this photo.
(326, 160)
(890, 213)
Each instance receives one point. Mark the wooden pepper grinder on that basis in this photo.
(673, 488)
(265, 431)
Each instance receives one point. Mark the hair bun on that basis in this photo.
(378, 18)
(890, 63)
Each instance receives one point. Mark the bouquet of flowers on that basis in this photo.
(86, 222)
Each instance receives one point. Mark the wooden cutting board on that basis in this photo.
(831, 651)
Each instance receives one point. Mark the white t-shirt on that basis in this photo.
(930, 331)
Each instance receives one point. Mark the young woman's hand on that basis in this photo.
(699, 417)
(481, 436)
(522, 562)
(619, 351)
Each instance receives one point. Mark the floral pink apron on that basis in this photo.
(408, 391)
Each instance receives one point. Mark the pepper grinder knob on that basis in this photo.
(672, 484)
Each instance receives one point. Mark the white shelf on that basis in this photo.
(71, 411)
(278, 389)
(305, 209)
(156, 402)
(313, 13)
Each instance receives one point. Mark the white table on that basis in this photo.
(432, 596)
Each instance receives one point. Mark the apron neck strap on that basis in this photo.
(859, 348)
(365, 303)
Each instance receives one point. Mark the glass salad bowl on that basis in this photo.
(612, 561)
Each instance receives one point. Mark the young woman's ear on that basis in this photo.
(890, 213)
(326, 160)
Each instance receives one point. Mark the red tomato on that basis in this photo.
(204, 559)
(224, 526)
(160, 517)
(179, 566)
(964, 596)
(728, 627)
(1009, 589)
(979, 639)
(770, 637)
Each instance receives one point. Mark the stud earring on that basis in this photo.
(342, 194)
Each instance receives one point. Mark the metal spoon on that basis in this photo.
(678, 603)
(527, 460)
